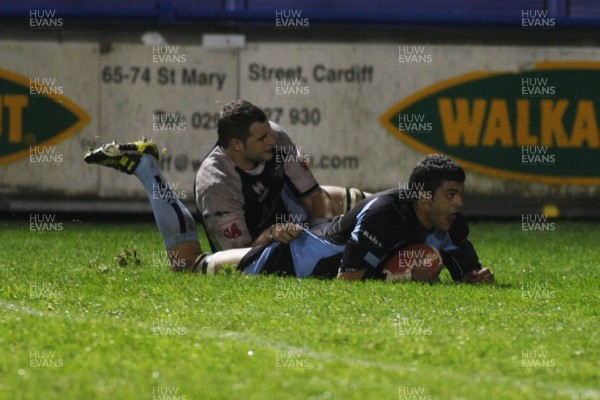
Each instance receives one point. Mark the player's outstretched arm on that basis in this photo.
(464, 266)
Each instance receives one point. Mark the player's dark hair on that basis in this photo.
(433, 170)
(235, 120)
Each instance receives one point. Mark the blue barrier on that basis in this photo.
(565, 12)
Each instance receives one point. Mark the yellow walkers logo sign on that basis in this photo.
(539, 125)
(34, 112)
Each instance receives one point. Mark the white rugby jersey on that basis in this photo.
(237, 205)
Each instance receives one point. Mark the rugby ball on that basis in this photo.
(419, 262)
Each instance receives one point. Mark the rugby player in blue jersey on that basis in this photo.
(357, 245)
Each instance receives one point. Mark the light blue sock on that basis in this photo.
(174, 221)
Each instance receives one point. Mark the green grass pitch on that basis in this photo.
(77, 325)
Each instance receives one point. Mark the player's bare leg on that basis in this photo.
(344, 199)
(174, 221)
(182, 256)
(189, 256)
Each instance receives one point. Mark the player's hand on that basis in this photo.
(484, 275)
(285, 233)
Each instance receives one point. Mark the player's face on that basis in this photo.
(259, 145)
(446, 202)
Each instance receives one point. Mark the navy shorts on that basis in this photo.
(307, 255)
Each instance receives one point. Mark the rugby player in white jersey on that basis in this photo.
(255, 187)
